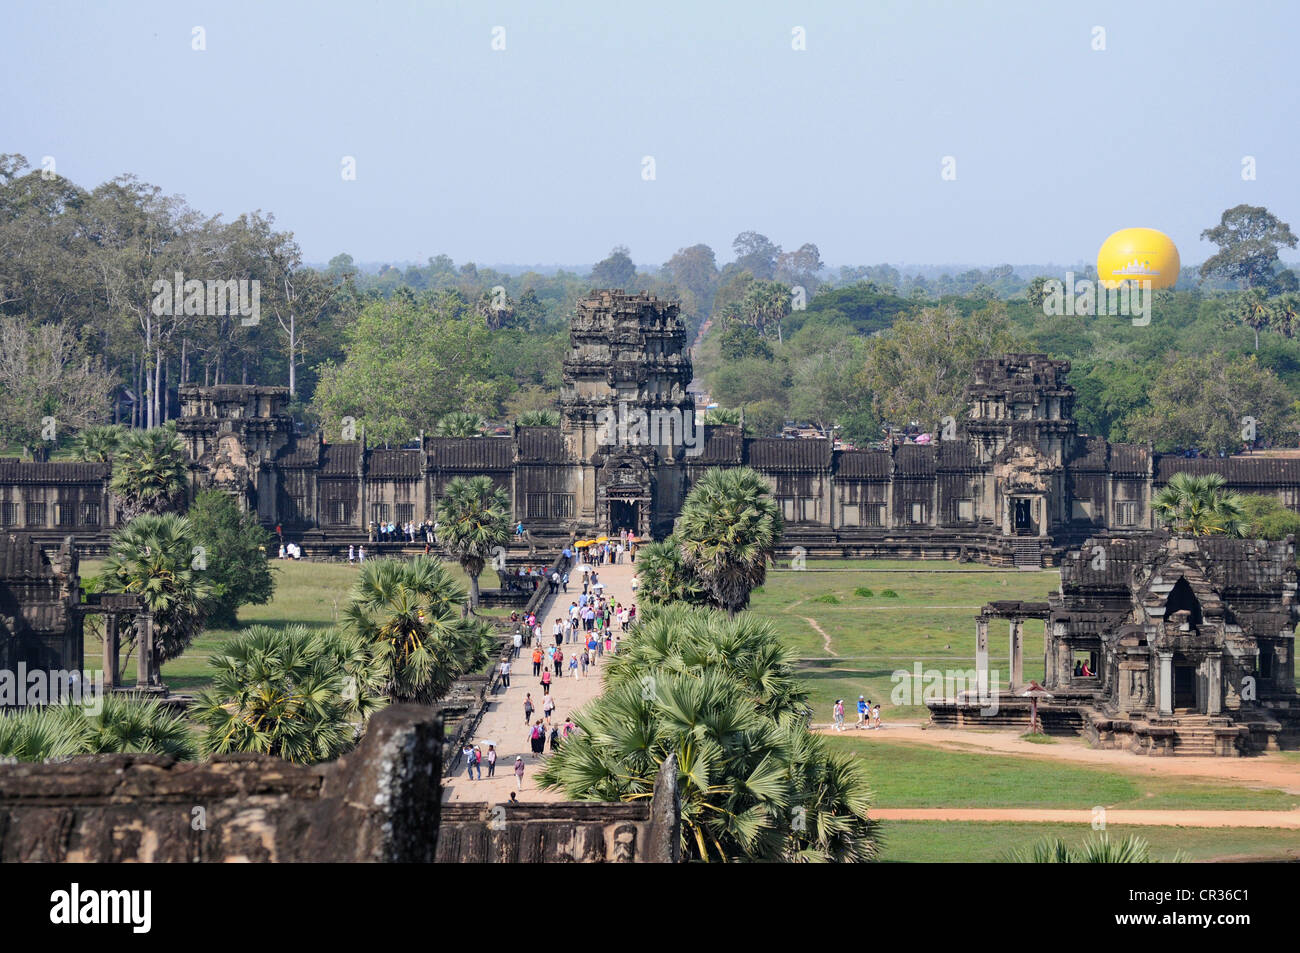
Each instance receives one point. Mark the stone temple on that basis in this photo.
(1012, 481)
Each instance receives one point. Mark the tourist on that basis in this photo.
(518, 641)
(555, 738)
(492, 761)
(546, 681)
(839, 714)
(478, 762)
(875, 716)
(559, 663)
(591, 649)
(584, 663)
(519, 774)
(468, 753)
(559, 631)
(536, 738)
(548, 706)
(361, 555)
(862, 711)
(569, 727)
(514, 798)
(505, 672)
(537, 661)
(352, 555)
(528, 708)
(573, 666)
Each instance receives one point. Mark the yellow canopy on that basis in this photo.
(582, 544)
(602, 539)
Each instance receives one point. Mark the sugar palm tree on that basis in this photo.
(408, 614)
(153, 557)
(663, 577)
(719, 695)
(459, 423)
(100, 444)
(473, 524)
(300, 694)
(1200, 506)
(122, 725)
(723, 416)
(727, 531)
(539, 418)
(149, 472)
(1097, 850)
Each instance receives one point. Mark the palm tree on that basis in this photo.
(473, 523)
(153, 557)
(539, 418)
(149, 472)
(723, 416)
(727, 531)
(663, 577)
(459, 423)
(100, 444)
(1201, 506)
(721, 696)
(300, 694)
(1252, 309)
(1099, 850)
(122, 725)
(408, 614)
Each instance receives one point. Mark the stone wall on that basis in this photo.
(381, 803)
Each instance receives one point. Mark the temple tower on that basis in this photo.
(626, 415)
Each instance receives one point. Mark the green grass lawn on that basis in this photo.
(913, 775)
(973, 842)
(931, 620)
(309, 593)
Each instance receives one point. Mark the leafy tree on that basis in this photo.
(1249, 238)
(1199, 401)
(153, 557)
(756, 254)
(295, 693)
(121, 726)
(727, 531)
(919, 369)
(695, 269)
(234, 556)
(722, 697)
(742, 341)
(408, 364)
(1268, 518)
(1200, 506)
(459, 423)
(473, 522)
(45, 373)
(149, 472)
(616, 271)
(409, 615)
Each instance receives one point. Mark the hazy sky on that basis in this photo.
(534, 153)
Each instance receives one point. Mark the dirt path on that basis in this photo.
(826, 639)
(1263, 771)
(1289, 820)
(504, 720)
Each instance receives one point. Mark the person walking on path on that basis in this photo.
(862, 711)
(468, 753)
(839, 714)
(537, 739)
(548, 706)
(546, 681)
(519, 771)
(505, 672)
(492, 761)
(518, 641)
(528, 709)
(559, 663)
(537, 661)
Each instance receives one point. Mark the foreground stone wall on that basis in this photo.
(378, 804)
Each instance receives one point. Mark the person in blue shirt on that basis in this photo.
(863, 707)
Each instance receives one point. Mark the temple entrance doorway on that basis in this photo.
(1184, 684)
(624, 514)
(1022, 519)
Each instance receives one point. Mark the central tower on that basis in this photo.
(624, 406)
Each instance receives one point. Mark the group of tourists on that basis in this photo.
(475, 758)
(408, 532)
(868, 714)
(608, 551)
(546, 728)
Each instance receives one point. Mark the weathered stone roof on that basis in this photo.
(13, 470)
(1238, 471)
(541, 445)
(864, 464)
(775, 453)
(470, 453)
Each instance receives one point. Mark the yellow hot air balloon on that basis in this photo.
(1138, 254)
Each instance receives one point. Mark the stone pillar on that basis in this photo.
(144, 650)
(1214, 683)
(1165, 683)
(1017, 655)
(982, 657)
(111, 645)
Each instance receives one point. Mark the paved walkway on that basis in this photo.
(503, 722)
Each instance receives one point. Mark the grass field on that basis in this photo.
(310, 593)
(852, 644)
(973, 842)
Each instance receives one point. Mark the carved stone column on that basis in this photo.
(982, 657)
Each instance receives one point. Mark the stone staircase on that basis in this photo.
(1027, 553)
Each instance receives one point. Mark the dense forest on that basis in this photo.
(780, 337)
